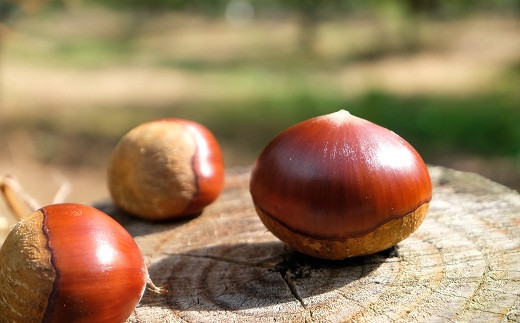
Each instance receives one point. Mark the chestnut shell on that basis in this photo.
(70, 263)
(338, 177)
(100, 271)
(166, 168)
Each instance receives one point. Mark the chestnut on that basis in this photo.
(164, 169)
(338, 186)
(70, 263)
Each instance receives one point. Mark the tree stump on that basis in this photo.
(463, 264)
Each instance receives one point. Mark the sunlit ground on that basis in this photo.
(73, 82)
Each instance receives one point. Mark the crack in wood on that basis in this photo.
(490, 312)
(292, 286)
(311, 314)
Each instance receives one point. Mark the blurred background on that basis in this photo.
(75, 75)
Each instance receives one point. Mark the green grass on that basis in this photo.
(485, 125)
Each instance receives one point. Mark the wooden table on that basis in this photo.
(463, 264)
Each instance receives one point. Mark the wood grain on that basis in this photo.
(224, 266)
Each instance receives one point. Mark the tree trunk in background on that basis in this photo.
(308, 20)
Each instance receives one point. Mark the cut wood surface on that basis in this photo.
(463, 264)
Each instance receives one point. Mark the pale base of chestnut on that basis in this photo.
(384, 237)
(25, 272)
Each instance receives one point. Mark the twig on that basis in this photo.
(12, 192)
(64, 189)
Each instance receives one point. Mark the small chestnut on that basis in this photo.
(70, 263)
(338, 186)
(165, 169)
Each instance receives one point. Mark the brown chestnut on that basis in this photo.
(70, 263)
(339, 186)
(165, 169)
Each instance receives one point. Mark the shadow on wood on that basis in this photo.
(253, 275)
(137, 226)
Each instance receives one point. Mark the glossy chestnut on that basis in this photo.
(70, 263)
(165, 169)
(338, 186)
